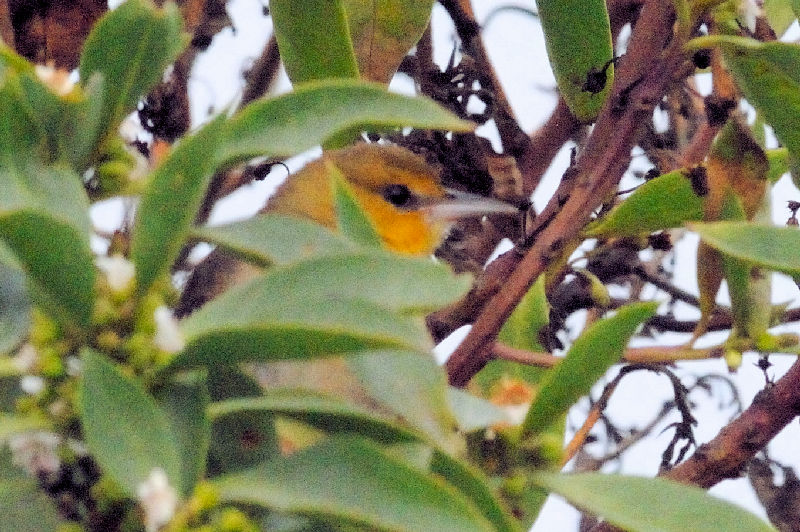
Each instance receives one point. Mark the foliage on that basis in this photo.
(130, 419)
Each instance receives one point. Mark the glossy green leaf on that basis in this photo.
(578, 39)
(313, 39)
(374, 276)
(131, 47)
(472, 483)
(661, 203)
(598, 348)
(651, 504)
(124, 428)
(383, 32)
(184, 401)
(243, 440)
(170, 203)
(57, 261)
(412, 385)
(15, 308)
(355, 483)
(324, 412)
(520, 331)
(318, 111)
(351, 219)
(780, 14)
(769, 76)
(44, 222)
(275, 239)
(288, 314)
(775, 248)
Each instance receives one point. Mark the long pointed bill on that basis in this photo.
(465, 205)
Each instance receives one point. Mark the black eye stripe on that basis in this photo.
(397, 195)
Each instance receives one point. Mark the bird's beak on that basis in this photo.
(460, 204)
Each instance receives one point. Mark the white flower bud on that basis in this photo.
(35, 452)
(168, 336)
(119, 272)
(59, 80)
(26, 359)
(158, 500)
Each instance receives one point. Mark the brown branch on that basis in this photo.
(515, 141)
(262, 75)
(727, 455)
(645, 74)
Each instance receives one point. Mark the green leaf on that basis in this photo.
(355, 483)
(274, 239)
(130, 47)
(239, 441)
(520, 331)
(780, 14)
(125, 430)
(778, 163)
(383, 32)
(472, 483)
(352, 221)
(319, 111)
(315, 329)
(26, 508)
(44, 222)
(313, 39)
(775, 248)
(20, 135)
(651, 504)
(184, 401)
(321, 411)
(578, 39)
(661, 203)
(15, 308)
(599, 347)
(769, 76)
(412, 385)
(374, 276)
(169, 205)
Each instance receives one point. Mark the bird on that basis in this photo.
(399, 192)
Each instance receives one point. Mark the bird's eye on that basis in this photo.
(397, 195)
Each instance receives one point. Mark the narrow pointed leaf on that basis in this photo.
(319, 111)
(661, 203)
(578, 38)
(274, 239)
(351, 219)
(383, 32)
(44, 222)
(184, 402)
(769, 76)
(324, 412)
(599, 347)
(650, 504)
(775, 248)
(170, 203)
(355, 483)
(412, 385)
(472, 483)
(313, 39)
(130, 47)
(124, 428)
